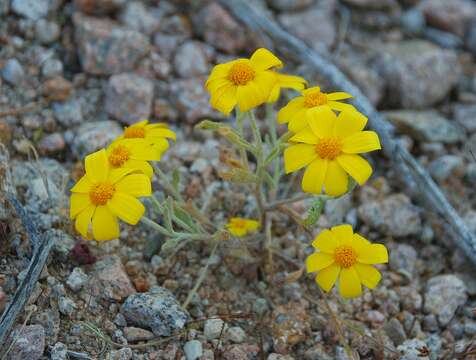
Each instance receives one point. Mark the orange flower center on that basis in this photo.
(119, 155)
(315, 99)
(345, 256)
(134, 132)
(239, 223)
(329, 148)
(241, 73)
(101, 192)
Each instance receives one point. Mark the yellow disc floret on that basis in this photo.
(329, 148)
(101, 193)
(119, 155)
(315, 99)
(132, 132)
(241, 73)
(345, 256)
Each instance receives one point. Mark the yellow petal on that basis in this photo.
(355, 166)
(360, 142)
(249, 96)
(299, 120)
(305, 136)
(274, 94)
(314, 176)
(251, 225)
(237, 231)
(291, 82)
(318, 261)
(224, 101)
(97, 166)
(298, 156)
(326, 242)
(360, 243)
(349, 122)
(144, 150)
(118, 173)
(376, 254)
(343, 234)
(265, 81)
(126, 207)
(338, 96)
(369, 276)
(213, 85)
(337, 180)
(105, 224)
(287, 112)
(263, 59)
(161, 133)
(349, 283)
(78, 202)
(327, 277)
(219, 71)
(322, 120)
(338, 106)
(135, 185)
(82, 186)
(311, 90)
(83, 220)
(140, 165)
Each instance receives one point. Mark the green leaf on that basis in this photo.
(314, 212)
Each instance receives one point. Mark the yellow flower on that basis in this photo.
(286, 82)
(347, 256)
(105, 194)
(243, 82)
(155, 135)
(297, 111)
(329, 148)
(240, 227)
(134, 154)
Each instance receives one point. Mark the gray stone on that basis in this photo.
(470, 40)
(29, 344)
(290, 5)
(260, 306)
(417, 73)
(453, 16)
(403, 258)
(394, 215)
(413, 22)
(426, 125)
(444, 294)
(92, 136)
(193, 350)
(46, 31)
(157, 310)
(63, 243)
(51, 144)
(106, 48)
(470, 327)
(124, 353)
(59, 352)
(409, 350)
(137, 334)
(32, 9)
(137, 17)
(4, 7)
(430, 323)
(77, 279)
(50, 320)
(13, 72)
(442, 38)
(195, 50)
(306, 24)
(51, 68)
(447, 166)
(129, 97)
(465, 115)
(236, 334)
(66, 306)
(213, 328)
(68, 113)
(109, 280)
(394, 330)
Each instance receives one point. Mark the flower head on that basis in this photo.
(240, 227)
(298, 110)
(347, 256)
(243, 82)
(286, 82)
(134, 154)
(328, 147)
(105, 194)
(154, 135)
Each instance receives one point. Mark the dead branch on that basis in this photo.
(411, 172)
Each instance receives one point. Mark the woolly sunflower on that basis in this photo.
(347, 256)
(285, 81)
(243, 82)
(240, 227)
(297, 111)
(105, 194)
(328, 147)
(155, 135)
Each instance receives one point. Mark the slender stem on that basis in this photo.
(241, 132)
(275, 204)
(201, 277)
(259, 167)
(159, 228)
(166, 184)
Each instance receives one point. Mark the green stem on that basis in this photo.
(166, 184)
(159, 228)
(241, 132)
(259, 167)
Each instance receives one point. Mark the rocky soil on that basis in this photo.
(74, 73)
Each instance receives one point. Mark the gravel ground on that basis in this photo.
(79, 71)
